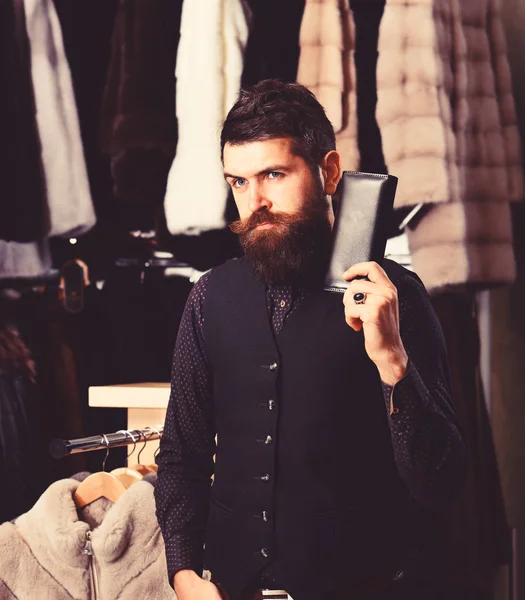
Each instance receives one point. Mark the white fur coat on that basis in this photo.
(446, 115)
(70, 205)
(209, 67)
(42, 554)
(19, 259)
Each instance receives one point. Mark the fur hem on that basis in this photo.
(464, 243)
(469, 222)
(454, 266)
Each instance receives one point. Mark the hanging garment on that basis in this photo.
(367, 18)
(338, 60)
(24, 259)
(209, 69)
(327, 68)
(87, 27)
(474, 527)
(72, 352)
(19, 458)
(445, 105)
(278, 59)
(61, 399)
(18, 469)
(464, 242)
(471, 240)
(48, 549)
(138, 125)
(449, 135)
(446, 117)
(23, 205)
(69, 200)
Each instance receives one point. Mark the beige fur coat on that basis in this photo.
(447, 120)
(42, 555)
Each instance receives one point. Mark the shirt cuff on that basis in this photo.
(392, 392)
(183, 553)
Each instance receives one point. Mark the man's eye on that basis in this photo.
(275, 175)
(239, 182)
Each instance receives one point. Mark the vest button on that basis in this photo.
(271, 404)
(265, 516)
(264, 552)
(273, 366)
(265, 477)
(268, 440)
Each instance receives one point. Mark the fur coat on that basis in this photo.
(23, 203)
(42, 554)
(208, 72)
(447, 119)
(31, 259)
(69, 200)
(138, 125)
(327, 68)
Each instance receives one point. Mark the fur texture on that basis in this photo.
(209, 69)
(69, 200)
(24, 259)
(42, 553)
(464, 243)
(327, 68)
(138, 125)
(448, 124)
(23, 204)
(445, 106)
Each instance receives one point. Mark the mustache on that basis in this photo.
(262, 216)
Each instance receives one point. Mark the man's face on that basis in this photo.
(267, 174)
(284, 224)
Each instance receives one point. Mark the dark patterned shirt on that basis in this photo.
(427, 444)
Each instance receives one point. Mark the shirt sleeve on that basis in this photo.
(428, 445)
(187, 445)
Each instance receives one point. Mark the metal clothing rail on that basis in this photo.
(59, 448)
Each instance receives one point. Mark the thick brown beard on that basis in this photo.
(294, 250)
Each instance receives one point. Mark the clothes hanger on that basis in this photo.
(142, 469)
(99, 485)
(124, 474)
(154, 467)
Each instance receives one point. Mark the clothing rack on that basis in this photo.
(51, 277)
(172, 267)
(59, 448)
(151, 262)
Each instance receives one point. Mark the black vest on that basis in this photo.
(305, 476)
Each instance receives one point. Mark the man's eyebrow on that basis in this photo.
(270, 169)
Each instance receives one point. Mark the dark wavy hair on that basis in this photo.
(275, 109)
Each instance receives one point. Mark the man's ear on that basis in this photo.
(331, 169)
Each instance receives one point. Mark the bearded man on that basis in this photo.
(330, 417)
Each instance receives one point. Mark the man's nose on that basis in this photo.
(258, 199)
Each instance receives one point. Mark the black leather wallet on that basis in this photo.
(360, 227)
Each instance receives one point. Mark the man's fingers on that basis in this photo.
(371, 289)
(372, 270)
(355, 323)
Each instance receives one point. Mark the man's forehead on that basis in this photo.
(258, 155)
